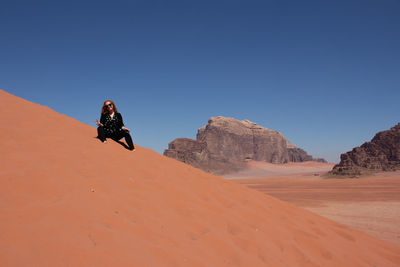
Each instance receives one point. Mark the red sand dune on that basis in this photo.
(68, 200)
(370, 204)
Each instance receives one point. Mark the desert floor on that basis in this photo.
(67, 199)
(370, 204)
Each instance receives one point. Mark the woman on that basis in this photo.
(112, 126)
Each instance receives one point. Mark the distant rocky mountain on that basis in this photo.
(382, 153)
(225, 145)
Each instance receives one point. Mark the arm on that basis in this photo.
(102, 120)
(121, 121)
(122, 124)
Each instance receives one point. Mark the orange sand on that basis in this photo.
(370, 204)
(66, 199)
(257, 169)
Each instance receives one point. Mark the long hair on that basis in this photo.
(104, 109)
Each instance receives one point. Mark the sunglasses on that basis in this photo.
(109, 105)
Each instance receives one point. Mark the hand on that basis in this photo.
(125, 129)
(98, 123)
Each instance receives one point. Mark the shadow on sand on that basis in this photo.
(118, 141)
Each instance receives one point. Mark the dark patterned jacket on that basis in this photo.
(112, 125)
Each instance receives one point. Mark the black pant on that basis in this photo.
(117, 136)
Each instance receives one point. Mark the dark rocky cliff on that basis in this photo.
(382, 153)
(226, 144)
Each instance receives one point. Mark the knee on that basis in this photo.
(100, 129)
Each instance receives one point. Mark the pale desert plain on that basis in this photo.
(66, 199)
(370, 203)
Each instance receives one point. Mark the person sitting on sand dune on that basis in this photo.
(112, 126)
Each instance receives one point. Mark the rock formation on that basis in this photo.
(64, 203)
(382, 153)
(226, 144)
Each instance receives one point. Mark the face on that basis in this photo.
(109, 106)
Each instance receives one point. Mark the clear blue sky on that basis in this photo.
(324, 73)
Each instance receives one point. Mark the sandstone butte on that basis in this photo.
(68, 200)
(382, 153)
(225, 145)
